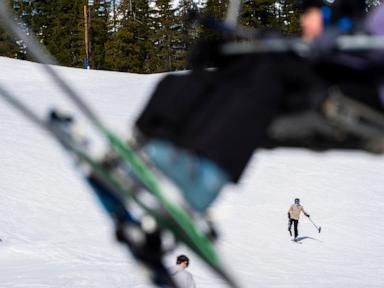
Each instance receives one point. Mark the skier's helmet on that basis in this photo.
(297, 201)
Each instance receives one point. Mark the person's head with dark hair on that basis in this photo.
(182, 260)
(180, 274)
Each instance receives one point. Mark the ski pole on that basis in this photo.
(318, 228)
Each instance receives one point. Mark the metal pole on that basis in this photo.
(89, 38)
(318, 228)
(86, 38)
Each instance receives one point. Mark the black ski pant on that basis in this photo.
(295, 226)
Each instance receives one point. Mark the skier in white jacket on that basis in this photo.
(182, 277)
(293, 217)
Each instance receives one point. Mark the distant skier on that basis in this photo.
(294, 215)
(182, 277)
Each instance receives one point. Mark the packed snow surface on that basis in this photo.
(54, 234)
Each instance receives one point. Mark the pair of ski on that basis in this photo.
(126, 186)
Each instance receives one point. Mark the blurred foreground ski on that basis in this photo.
(167, 215)
(144, 244)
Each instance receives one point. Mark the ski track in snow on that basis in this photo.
(55, 234)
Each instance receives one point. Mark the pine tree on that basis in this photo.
(8, 46)
(281, 15)
(164, 35)
(132, 35)
(256, 13)
(187, 33)
(58, 25)
(63, 32)
(129, 47)
(99, 33)
(216, 9)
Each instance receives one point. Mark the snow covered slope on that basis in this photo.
(55, 235)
